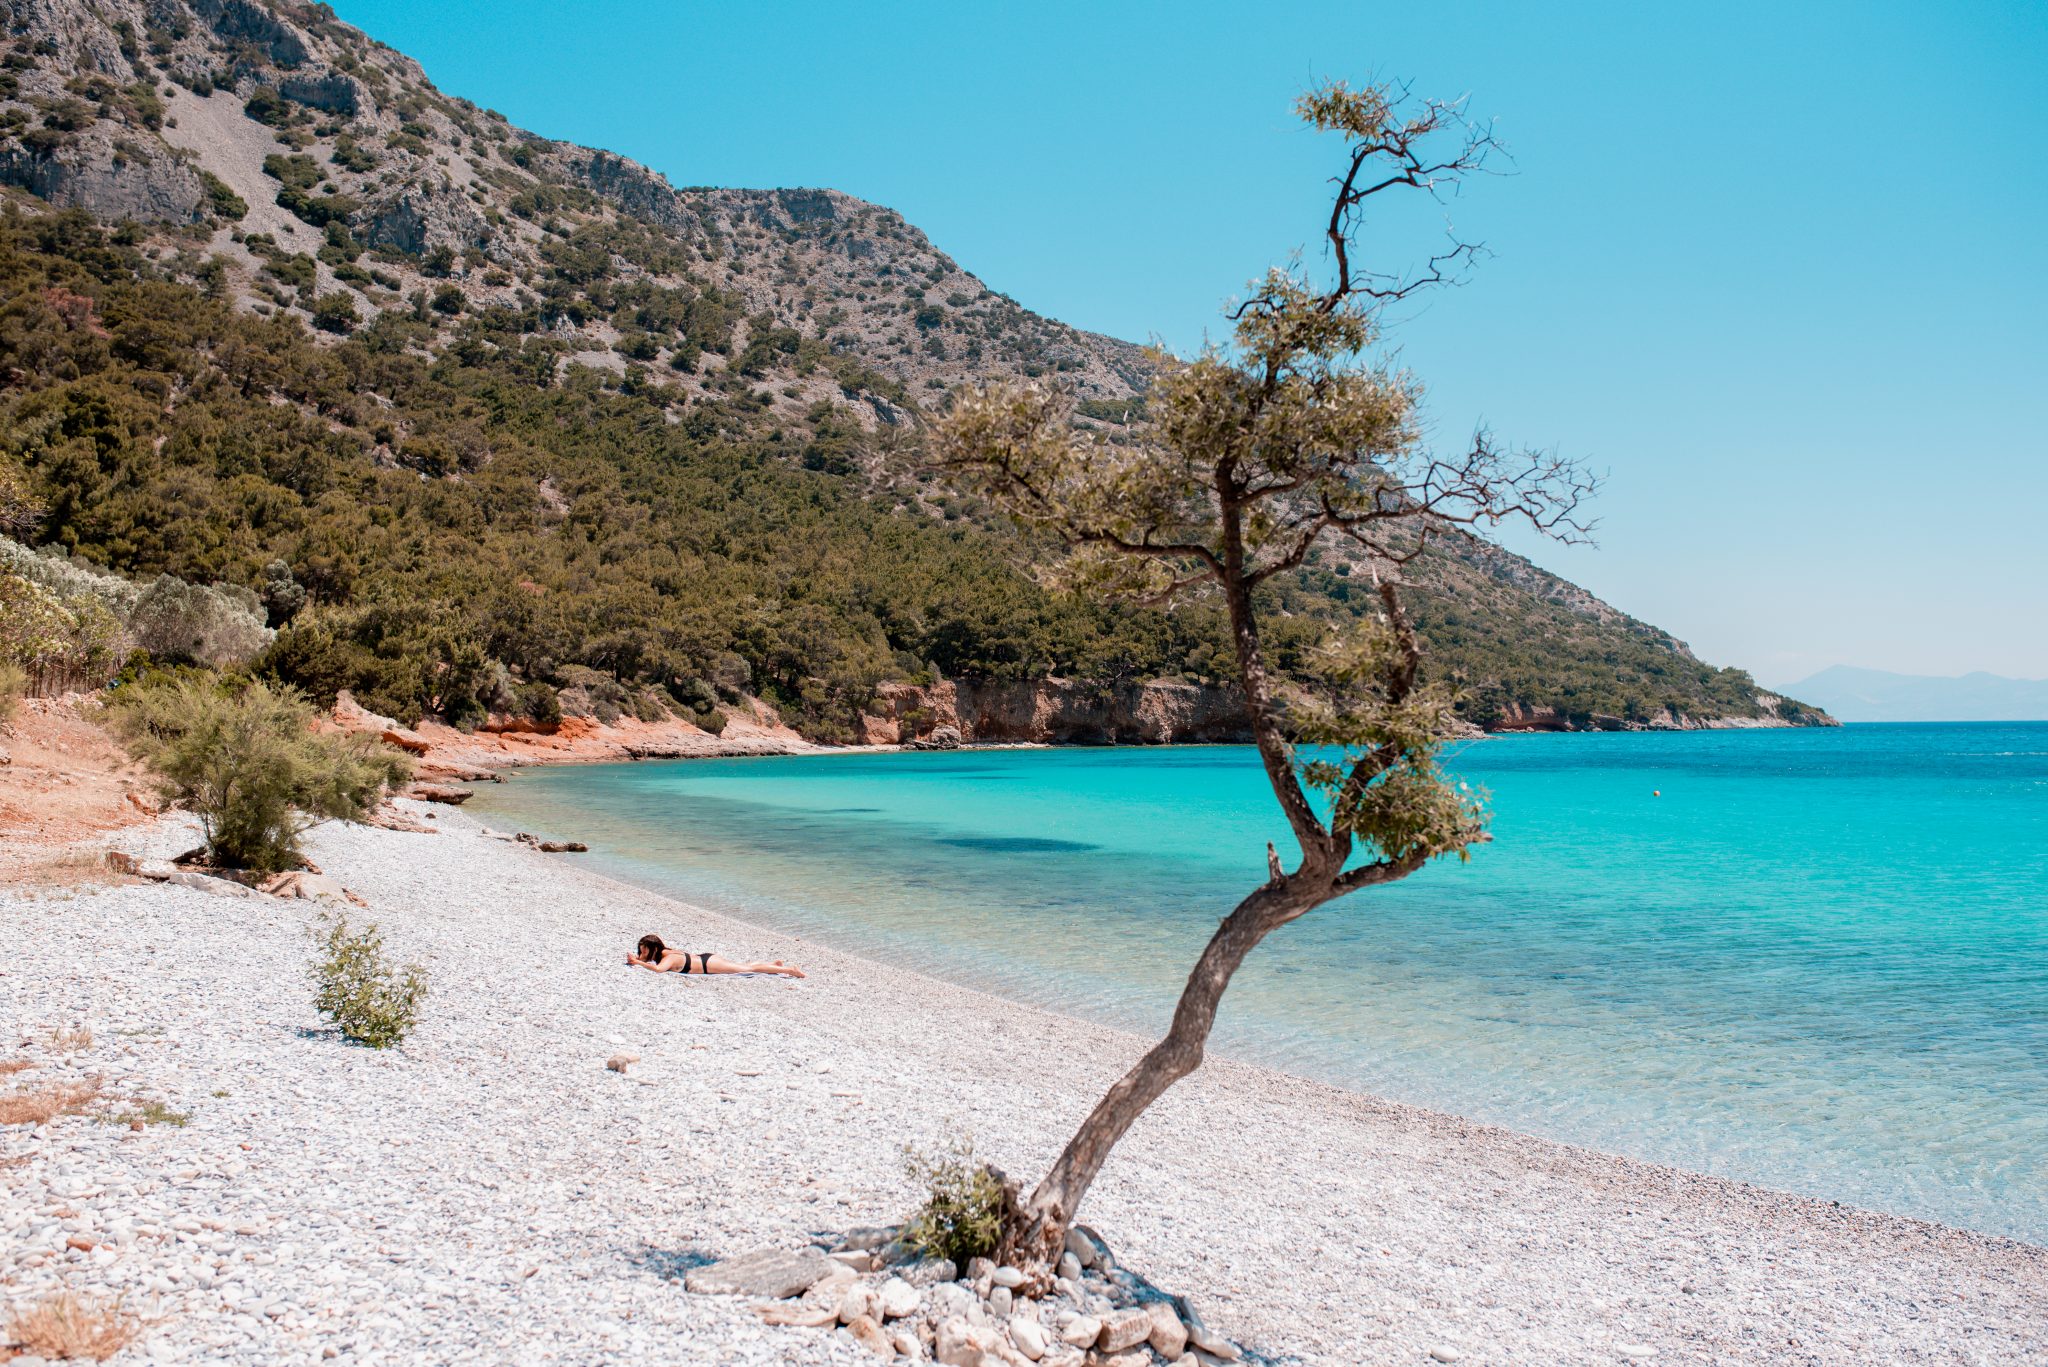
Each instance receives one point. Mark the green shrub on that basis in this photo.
(962, 1214)
(375, 1002)
(294, 172)
(249, 765)
(218, 626)
(351, 157)
(538, 703)
(335, 312)
(266, 106)
(224, 202)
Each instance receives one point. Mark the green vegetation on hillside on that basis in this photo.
(443, 515)
(464, 525)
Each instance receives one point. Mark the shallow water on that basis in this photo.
(1818, 961)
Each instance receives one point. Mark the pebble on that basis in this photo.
(1029, 1336)
(899, 1299)
(1125, 1329)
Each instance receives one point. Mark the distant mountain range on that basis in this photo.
(1853, 694)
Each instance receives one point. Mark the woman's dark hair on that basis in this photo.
(651, 948)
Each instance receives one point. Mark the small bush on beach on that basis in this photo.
(68, 1326)
(962, 1214)
(249, 765)
(375, 1002)
(150, 1113)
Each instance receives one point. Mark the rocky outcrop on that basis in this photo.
(1058, 712)
(629, 185)
(351, 716)
(129, 182)
(324, 90)
(240, 22)
(418, 219)
(1773, 711)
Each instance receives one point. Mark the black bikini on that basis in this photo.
(704, 961)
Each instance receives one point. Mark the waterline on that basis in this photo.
(1819, 960)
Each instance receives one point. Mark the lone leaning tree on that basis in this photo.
(1249, 457)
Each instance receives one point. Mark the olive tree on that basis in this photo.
(1292, 436)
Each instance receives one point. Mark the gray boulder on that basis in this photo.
(772, 1273)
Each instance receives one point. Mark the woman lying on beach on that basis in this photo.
(654, 955)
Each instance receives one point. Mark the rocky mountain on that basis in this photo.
(316, 164)
(1878, 695)
(294, 168)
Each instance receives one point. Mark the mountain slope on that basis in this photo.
(459, 298)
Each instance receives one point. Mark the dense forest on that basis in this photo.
(457, 530)
(517, 531)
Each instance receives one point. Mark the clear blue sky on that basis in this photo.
(1780, 270)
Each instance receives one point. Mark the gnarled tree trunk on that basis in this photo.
(1051, 1207)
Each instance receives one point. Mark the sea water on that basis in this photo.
(1814, 959)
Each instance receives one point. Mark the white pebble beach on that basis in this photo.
(491, 1193)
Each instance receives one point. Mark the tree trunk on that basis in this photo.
(1052, 1205)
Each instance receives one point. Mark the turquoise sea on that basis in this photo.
(1819, 960)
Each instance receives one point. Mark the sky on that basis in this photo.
(1779, 271)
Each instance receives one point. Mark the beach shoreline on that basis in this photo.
(1308, 1222)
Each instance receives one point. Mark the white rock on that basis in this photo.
(899, 1299)
(1217, 1346)
(953, 1345)
(1082, 1331)
(856, 1301)
(1028, 1335)
(1169, 1337)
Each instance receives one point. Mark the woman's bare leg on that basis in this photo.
(720, 964)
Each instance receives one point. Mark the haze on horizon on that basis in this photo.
(1777, 271)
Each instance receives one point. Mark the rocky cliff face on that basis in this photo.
(1772, 711)
(1058, 712)
(1067, 712)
